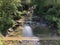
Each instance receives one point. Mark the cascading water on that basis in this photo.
(27, 32)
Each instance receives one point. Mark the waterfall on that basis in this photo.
(27, 32)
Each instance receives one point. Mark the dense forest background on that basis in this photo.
(49, 10)
(45, 12)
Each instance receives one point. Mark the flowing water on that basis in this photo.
(27, 32)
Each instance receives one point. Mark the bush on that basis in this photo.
(7, 8)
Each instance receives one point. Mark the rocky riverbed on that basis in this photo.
(25, 42)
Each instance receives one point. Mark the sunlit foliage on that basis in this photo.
(8, 9)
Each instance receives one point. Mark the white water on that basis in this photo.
(27, 32)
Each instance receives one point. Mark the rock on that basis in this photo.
(10, 30)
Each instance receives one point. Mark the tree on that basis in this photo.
(7, 9)
(49, 9)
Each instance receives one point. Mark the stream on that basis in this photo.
(27, 32)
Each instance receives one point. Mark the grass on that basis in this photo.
(1, 41)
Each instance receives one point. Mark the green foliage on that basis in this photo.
(40, 30)
(7, 8)
(49, 9)
(26, 1)
(1, 43)
(58, 42)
